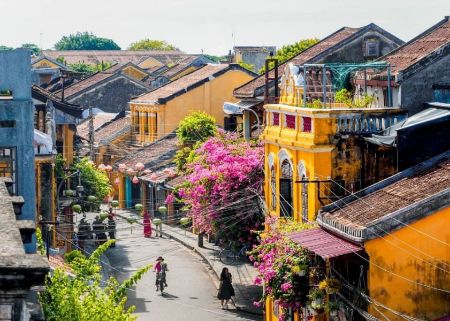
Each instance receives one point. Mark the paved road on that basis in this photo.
(191, 295)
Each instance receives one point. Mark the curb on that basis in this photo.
(194, 248)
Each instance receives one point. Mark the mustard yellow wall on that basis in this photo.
(68, 135)
(150, 62)
(44, 63)
(208, 97)
(134, 73)
(183, 73)
(413, 255)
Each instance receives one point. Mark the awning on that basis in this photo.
(248, 104)
(44, 141)
(323, 244)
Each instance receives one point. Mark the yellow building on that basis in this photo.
(311, 152)
(158, 113)
(401, 223)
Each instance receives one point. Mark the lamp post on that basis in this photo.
(233, 109)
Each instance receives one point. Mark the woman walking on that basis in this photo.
(226, 290)
(147, 225)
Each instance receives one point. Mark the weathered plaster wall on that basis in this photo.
(422, 257)
(418, 89)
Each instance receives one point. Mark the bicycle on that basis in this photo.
(230, 256)
(160, 283)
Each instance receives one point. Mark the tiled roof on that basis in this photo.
(119, 56)
(159, 176)
(184, 84)
(177, 181)
(248, 89)
(43, 95)
(155, 155)
(113, 130)
(99, 120)
(84, 84)
(419, 47)
(179, 67)
(396, 195)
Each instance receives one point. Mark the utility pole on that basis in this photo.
(91, 134)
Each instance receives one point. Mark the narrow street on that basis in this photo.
(191, 294)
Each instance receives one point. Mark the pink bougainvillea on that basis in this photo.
(223, 181)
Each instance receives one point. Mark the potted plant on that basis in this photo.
(316, 297)
(332, 308)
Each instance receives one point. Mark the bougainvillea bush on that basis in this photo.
(223, 185)
(282, 265)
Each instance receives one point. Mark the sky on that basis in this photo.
(211, 26)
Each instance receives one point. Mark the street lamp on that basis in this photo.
(233, 109)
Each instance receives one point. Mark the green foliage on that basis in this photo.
(81, 297)
(60, 164)
(247, 66)
(88, 68)
(343, 96)
(35, 50)
(85, 41)
(196, 127)
(148, 44)
(95, 181)
(5, 48)
(40, 241)
(363, 102)
(288, 51)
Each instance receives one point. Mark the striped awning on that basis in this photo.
(323, 243)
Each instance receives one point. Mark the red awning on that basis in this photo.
(323, 244)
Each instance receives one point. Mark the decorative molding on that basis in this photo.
(283, 154)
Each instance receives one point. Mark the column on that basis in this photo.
(247, 124)
(153, 126)
(121, 191)
(149, 124)
(141, 127)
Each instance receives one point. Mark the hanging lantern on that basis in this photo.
(153, 177)
(138, 207)
(135, 180)
(69, 192)
(115, 203)
(76, 208)
(156, 221)
(139, 166)
(101, 167)
(108, 168)
(184, 221)
(122, 168)
(147, 171)
(117, 181)
(103, 215)
(162, 209)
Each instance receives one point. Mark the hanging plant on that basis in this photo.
(76, 208)
(333, 308)
(330, 285)
(316, 297)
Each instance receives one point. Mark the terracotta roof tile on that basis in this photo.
(119, 56)
(179, 67)
(155, 155)
(182, 84)
(84, 84)
(177, 181)
(398, 195)
(99, 120)
(113, 130)
(248, 90)
(419, 47)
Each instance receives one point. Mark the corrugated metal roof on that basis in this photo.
(323, 244)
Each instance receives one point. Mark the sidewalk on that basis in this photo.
(243, 273)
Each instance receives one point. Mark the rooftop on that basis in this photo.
(186, 83)
(99, 120)
(43, 95)
(113, 130)
(388, 205)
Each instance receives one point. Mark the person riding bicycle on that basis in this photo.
(161, 269)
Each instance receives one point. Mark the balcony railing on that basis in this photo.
(367, 123)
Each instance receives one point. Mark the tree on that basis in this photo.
(5, 47)
(288, 51)
(85, 296)
(193, 130)
(148, 44)
(35, 50)
(85, 41)
(95, 181)
(88, 68)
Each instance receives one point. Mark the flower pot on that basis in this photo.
(302, 273)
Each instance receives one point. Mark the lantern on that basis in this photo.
(156, 221)
(103, 215)
(135, 180)
(138, 207)
(115, 203)
(153, 177)
(122, 168)
(117, 181)
(162, 209)
(69, 192)
(185, 220)
(76, 208)
(139, 166)
(91, 198)
(147, 171)
(108, 168)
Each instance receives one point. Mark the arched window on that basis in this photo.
(286, 189)
(273, 188)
